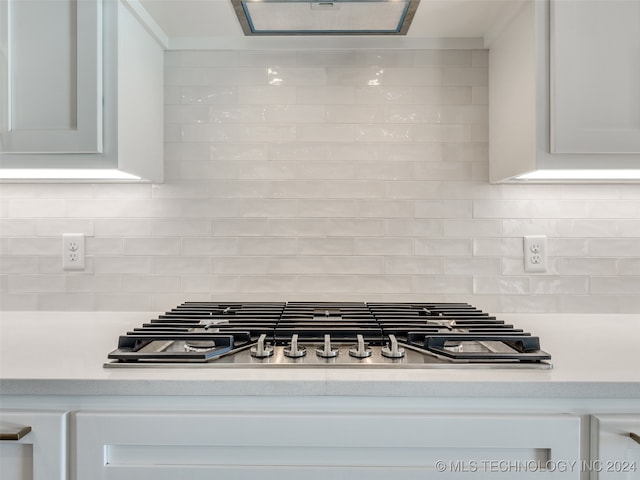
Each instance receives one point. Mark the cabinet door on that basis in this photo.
(244, 445)
(595, 76)
(51, 77)
(615, 454)
(42, 453)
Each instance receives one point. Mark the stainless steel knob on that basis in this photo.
(327, 351)
(293, 351)
(393, 351)
(360, 350)
(260, 350)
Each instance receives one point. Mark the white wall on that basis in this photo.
(323, 175)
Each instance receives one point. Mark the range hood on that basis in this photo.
(320, 17)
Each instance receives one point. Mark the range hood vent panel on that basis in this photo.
(343, 17)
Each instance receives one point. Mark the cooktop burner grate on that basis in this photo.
(350, 334)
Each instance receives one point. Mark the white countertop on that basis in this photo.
(62, 353)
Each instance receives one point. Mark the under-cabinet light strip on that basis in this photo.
(578, 174)
(64, 174)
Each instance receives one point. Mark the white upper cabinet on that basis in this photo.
(595, 72)
(565, 93)
(53, 80)
(81, 90)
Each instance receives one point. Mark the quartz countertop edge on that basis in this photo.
(63, 353)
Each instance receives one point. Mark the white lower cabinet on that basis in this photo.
(41, 454)
(615, 447)
(139, 445)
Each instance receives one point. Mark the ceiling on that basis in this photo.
(213, 24)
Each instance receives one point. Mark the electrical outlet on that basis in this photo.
(535, 253)
(73, 252)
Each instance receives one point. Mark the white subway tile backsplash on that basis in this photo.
(383, 95)
(614, 247)
(266, 95)
(413, 227)
(151, 246)
(264, 58)
(122, 264)
(267, 245)
(181, 265)
(325, 246)
(427, 286)
(189, 77)
(440, 247)
(383, 246)
(200, 59)
(421, 76)
(210, 246)
(209, 95)
(325, 95)
(33, 208)
(383, 133)
(412, 265)
(36, 283)
(480, 95)
(553, 285)
(240, 76)
(480, 58)
(294, 75)
(588, 266)
(325, 132)
(66, 301)
(296, 265)
(615, 209)
(444, 58)
(17, 227)
(629, 228)
(240, 265)
(49, 227)
(370, 265)
(266, 133)
(444, 95)
(441, 133)
(472, 228)
(472, 265)
(125, 302)
(627, 285)
(455, 76)
(443, 209)
(353, 113)
(323, 175)
(18, 264)
(31, 246)
(94, 283)
(151, 283)
(511, 285)
(501, 209)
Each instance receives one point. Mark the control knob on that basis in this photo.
(260, 350)
(327, 351)
(393, 351)
(361, 350)
(293, 351)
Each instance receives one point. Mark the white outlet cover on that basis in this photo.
(535, 253)
(73, 251)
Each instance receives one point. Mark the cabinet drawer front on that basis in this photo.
(144, 445)
(615, 454)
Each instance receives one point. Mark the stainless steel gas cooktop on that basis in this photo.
(328, 334)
